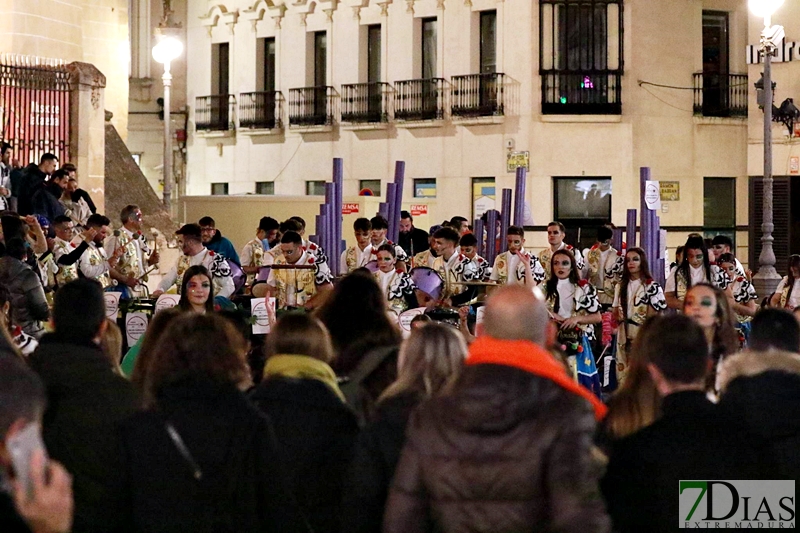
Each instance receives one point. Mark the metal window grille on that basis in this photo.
(580, 56)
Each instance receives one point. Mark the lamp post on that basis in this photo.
(165, 51)
(767, 278)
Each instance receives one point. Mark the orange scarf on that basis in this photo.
(530, 357)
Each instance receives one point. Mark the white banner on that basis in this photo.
(258, 308)
(165, 301)
(112, 304)
(404, 319)
(135, 326)
(652, 195)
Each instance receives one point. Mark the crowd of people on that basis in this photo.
(339, 420)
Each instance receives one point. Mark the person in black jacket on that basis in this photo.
(45, 199)
(86, 399)
(693, 439)
(412, 240)
(32, 179)
(27, 293)
(201, 458)
(431, 357)
(314, 427)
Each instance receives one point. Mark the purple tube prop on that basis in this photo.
(616, 240)
(492, 217)
(519, 197)
(391, 203)
(505, 216)
(337, 246)
(645, 231)
(399, 180)
(478, 229)
(630, 230)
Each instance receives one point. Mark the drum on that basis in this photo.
(238, 275)
(372, 266)
(427, 281)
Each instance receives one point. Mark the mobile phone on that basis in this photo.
(21, 447)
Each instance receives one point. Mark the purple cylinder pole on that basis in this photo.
(645, 231)
(519, 197)
(491, 235)
(505, 216)
(630, 230)
(478, 228)
(330, 202)
(337, 245)
(391, 204)
(616, 240)
(399, 180)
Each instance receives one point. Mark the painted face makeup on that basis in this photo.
(198, 288)
(701, 305)
(385, 262)
(695, 258)
(562, 267)
(633, 263)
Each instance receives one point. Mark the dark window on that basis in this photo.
(315, 188)
(221, 68)
(488, 44)
(580, 56)
(218, 189)
(719, 203)
(269, 64)
(369, 187)
(265, 187)
(425, 188)
(374, 53)
(718, 93)
(582, 204)
(428, 48)
(320, 59)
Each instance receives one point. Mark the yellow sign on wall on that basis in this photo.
(670, 191)
(515, 160)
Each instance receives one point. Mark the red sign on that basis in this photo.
(349, 209)
(417, 210)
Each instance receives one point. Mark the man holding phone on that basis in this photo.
(35, 494)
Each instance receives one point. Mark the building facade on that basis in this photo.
(585, 93)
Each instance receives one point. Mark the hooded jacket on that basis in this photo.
(762, 391)
(27, 295)
(507, 449)
(224, 247)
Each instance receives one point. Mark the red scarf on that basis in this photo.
(530, 357)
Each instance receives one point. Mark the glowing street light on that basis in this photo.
(165, 51)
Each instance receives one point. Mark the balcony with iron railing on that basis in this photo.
(365, 103)
(261, 110)
(720, 95)
(419, 100)
(478, 95)
(581, 92)
(311, 106)
(212, 113)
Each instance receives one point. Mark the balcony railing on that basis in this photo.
(585, 92)
(478, 95)
(365, 102)
(720, 95)
(311, 106)
(212, 113)
(261, 110)
(419, 99)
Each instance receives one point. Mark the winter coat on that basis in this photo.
(414, 242)
(45, 201)
(86, 400)
(316, 432)
(370, 473)
(30, 181)
(762, 390)
(223, 246)
(217, 470)
(508, 449)
(27, 295)
(692, 440)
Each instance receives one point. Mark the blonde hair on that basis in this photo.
(429, 359)
(111, 344)
(300, 334)
(637, 403)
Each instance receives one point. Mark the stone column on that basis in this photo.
(87, 129)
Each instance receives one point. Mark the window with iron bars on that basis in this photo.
(580, 56)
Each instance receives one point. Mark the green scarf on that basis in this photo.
(302, 367)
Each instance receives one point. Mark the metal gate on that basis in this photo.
(34, 107)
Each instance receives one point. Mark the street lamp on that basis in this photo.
(767, 278)
(166, 50)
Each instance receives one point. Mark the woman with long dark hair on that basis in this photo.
(787, 295)
(742, 297)
(197, 290)
(200, 444)
(364, 340)
(709, 307)
(396, 284)
(694, 268)
(573, 305)
(636, 298)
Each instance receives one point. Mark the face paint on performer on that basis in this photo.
(701, 305)
(562, 266)
(694, 257)
(385, 261)
(633, 262)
